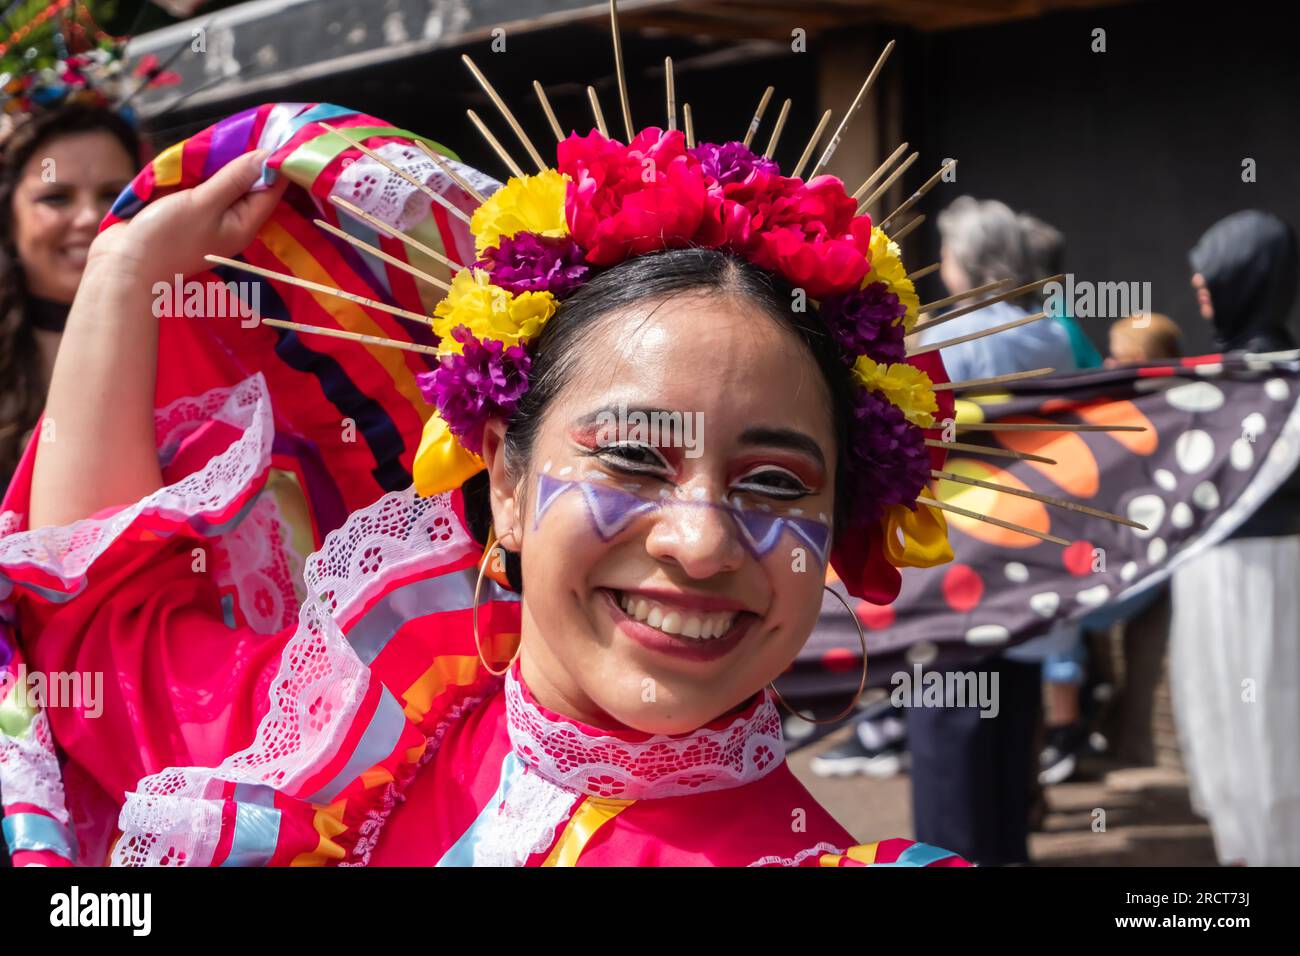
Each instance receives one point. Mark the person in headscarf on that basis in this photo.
(1235, 664)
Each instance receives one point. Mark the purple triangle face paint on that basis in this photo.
(612, 510)
(759, 531)
(548, 489)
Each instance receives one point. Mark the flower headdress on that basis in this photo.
(541, 237)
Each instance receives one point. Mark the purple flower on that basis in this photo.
(731, 162)
(526, 262)
(866, 322)
(888, 459)
(486, 380)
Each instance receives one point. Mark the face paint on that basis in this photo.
(611, 510)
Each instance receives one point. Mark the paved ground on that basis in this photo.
(1148, 819)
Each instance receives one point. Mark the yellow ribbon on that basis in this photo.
(441, 464)
(916, 539)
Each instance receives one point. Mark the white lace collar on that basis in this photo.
(631, 766)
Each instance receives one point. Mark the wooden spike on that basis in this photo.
(317, 287)
(353, 336)
(987, 450)
(690, 125)
(618, 68)
(880, 171)
(1000, 297)
(972, 383)
(504, 110)
(1035, 427)
(441, 162)
(972, 336)
(358, 213)
(550, 113)
(966, 513)
(380, 254)
(916, 196)
(853, 108)
(907, 230)
(1045, 499)
(670, 89)
(494, 143)
(949, 300)
(758, 116)
(776, 130)
(923, 272)
(597, 112)
(432, 194)
(883, 188)
(812, 144)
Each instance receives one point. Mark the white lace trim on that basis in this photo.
(29, 769)
(67, 551)
(525, 821)
(316, 691)
(798, 858)
(748, 749)
(381, 192)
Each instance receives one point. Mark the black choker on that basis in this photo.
(46, 315)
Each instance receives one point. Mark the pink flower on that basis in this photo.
(624, 201)
(807, 233)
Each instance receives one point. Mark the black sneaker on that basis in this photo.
(1060, 758)
(853, 758)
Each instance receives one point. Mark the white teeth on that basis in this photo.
(699, 627)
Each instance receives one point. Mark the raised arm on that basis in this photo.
(97, 446)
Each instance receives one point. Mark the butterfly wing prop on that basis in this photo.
(1221, 433)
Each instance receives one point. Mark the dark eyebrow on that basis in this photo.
(784, 438)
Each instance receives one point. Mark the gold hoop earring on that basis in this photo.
(488, 550)
(862, 684)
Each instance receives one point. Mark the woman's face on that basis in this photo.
(646, 604)
(62, 193)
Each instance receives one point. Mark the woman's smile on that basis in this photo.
(689, 626)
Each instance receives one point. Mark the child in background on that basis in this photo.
(1141, 338)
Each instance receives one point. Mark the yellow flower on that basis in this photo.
(903, 385)
(489, 311)
(531, 204)
(887, 267)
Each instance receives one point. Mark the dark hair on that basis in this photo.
(656, 277)
(22, 384)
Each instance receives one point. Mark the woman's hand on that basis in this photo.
(102, 390)
(171, 235)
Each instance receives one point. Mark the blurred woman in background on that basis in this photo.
(59, 173)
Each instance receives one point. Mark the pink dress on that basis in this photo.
(369, 731)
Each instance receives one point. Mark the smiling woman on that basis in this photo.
(59, 173)
(556, 646)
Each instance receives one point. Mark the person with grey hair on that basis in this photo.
(972, 778)
(984, 240)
